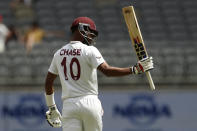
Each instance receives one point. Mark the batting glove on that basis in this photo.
(143, 65)
(53, 117)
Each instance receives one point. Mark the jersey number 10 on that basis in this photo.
(74, 76)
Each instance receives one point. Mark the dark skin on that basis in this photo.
(104, 68)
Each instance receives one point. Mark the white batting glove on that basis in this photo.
(53, 117)
(143, 65)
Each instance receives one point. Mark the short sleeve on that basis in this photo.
(53, 67)
(96, 58)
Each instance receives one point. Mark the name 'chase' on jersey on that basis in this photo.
(70, 52)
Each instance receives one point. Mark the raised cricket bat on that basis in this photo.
(136, 37)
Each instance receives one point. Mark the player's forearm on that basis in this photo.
(115, 71)
(49, 89)
(49, 83)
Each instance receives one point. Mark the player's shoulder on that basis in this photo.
(89, 50)
(59, 50)
(93, 49)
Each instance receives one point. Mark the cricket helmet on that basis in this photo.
(85, 21)
(87, 29)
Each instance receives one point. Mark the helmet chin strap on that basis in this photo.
(86, 42)
(85, 32)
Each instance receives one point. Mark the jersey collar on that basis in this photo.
(73, 42)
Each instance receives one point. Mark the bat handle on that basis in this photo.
(148, 75)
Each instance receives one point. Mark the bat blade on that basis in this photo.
(136, 37)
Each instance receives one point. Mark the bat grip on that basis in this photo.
(148, 75)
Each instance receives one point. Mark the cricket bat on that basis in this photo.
(136, 37)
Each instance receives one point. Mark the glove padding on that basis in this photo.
(143, 65)
(53, 117)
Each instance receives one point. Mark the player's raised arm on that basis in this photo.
(142, 66)
(113, 71)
